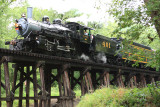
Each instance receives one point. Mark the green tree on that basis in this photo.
(5, 20)
(103, 29)
(152, 10)
(96, 26)
(73, 13)
(138, 21)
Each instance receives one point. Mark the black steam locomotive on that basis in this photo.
(71, 40)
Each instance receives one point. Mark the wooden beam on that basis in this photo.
(135, 80)
(3, 85)
(25, 78)
(21, 87)
(3, 59)
(14, 81)
(90, 82)
(7, 82)
(43, 100)
(82, 85)
(143, 80)
(72, 79)
(60, 81)
(35, 86)
(129, 80)
(106, 78)
(66, 87)
(83, 79)
(27, 86)
(94, 81)
(48, 82)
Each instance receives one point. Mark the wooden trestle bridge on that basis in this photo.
(92, 76)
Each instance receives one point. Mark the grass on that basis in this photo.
(54, 92)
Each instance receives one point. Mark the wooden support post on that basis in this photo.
(152, 80)
(93, 76)
(7, 83)
(47, 79)
(27, 87)
(67, 83)
(14, 81)
(60, 81)
(21, 86)
(86, 83)
(60, 86)
(72, 79)
(35, 86)
(90, 82)
(102, 82)
(135, 80)
(66, 87)
(143, 81)
(43, 96)
(106, 79)
(129, 80)
(82, 85)
(119, 79)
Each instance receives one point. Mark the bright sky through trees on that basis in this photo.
(88, 7)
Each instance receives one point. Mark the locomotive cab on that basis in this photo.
(81, 32)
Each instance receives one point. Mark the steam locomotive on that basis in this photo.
(71, 40)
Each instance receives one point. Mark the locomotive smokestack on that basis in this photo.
(29, 12)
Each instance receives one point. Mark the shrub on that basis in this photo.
(109, 97)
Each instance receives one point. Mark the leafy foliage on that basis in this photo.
(137, 23)
(69, 14)
(102, 29)
(5, 21)
(108, 97)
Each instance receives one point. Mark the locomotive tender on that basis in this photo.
(71, 40)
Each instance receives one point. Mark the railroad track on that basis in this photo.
(20, 56)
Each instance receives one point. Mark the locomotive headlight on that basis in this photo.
(16, 25)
